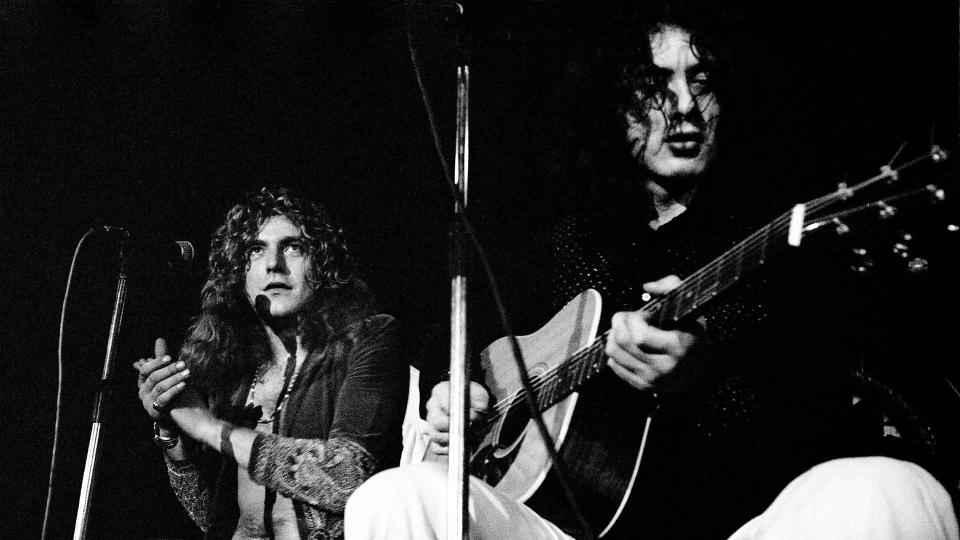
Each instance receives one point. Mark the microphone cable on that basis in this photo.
(59, 399)
(559, 467)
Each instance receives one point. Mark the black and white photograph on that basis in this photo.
(486, 269)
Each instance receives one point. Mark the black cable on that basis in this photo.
(56, 422)
(559, 467)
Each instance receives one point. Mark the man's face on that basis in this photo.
(677, 139)
(278, 266)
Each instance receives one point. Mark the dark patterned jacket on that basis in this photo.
(341, 425)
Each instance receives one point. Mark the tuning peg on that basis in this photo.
(844, 191)
(889, 173)
(918, 265)
(862, 267)
(840, 227)
(901, 250)
(863, 262)
(938, 154)
(886, 211)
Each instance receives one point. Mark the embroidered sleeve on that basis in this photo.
(190, 488)
(320, 473)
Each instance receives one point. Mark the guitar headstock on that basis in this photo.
(876, 222)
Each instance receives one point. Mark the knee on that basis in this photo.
(885, 494)
(868, 478)
(409, 485)
(375, 492)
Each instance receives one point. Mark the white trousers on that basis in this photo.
(867, 498)
(858, 498)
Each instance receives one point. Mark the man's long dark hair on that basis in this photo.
(616, 56)
(227, 340)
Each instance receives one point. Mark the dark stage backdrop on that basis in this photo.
(155, 115)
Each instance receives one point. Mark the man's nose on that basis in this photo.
(681, 98)
(276, 262)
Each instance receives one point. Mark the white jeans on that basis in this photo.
(868, 498)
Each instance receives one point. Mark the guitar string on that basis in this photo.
(747, 247)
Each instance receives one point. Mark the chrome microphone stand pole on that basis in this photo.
(93, 448)
(458, 462)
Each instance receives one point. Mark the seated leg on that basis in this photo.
(868, 498)
(411, 502)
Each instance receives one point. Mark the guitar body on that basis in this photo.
(596, 436)
(602, 452)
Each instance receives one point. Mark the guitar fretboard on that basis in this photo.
(695, 291)
(720, 274)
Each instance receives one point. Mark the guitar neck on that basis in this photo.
(694, 292)
(721, 273)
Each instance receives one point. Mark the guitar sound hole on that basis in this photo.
(513, 425)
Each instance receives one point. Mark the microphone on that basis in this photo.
(261, 304)
(176, 254)
(180, 252)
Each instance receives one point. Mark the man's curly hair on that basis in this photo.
(626, 57)
(227, 340)
(616, 76)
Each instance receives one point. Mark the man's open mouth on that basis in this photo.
(692, 137)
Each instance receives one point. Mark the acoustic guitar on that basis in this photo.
(563, 355)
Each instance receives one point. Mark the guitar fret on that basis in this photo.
(764, 241)
(675, 305)
(599, 355)
(546, 393)
(589, 359)
(739, 251)
(586, 370)
(711, 277)
(734, 264)
(661, 311)
(563, 379)
(579, 363)
(689, 297)
(724, 277)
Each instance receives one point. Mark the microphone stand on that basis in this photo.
(458, 461)
(99, 406)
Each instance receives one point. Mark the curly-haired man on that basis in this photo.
(288, 391)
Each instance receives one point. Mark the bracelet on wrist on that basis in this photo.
(163, 441)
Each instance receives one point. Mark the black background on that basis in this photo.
(156, 115)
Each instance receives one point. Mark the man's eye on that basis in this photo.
(700, 84)
(294, 248)
(653, 83)
(255, 251)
